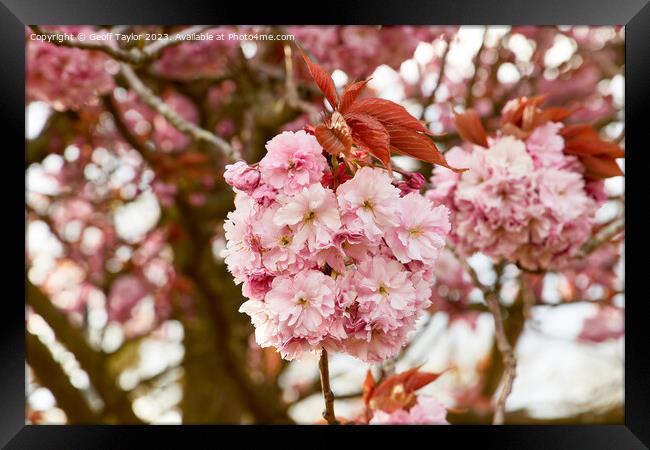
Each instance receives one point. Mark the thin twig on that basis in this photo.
(328, 396)
(596, 241)
(291, 90)
(469, 99)
(441, 73)
(177, 121)
(491, 296)
(508, 356)
(469, 269)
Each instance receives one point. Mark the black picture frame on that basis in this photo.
(15, 14)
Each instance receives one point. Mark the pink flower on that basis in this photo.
(346, 247)
(421, 231)
(412, 182)
(280, 249)
(266, 325)
(368, 202)
(242, 176)
(526, 205)
(312, 215)
(385, 292)
(546, 147)
(508, 156)
(373, 345)
(563, 193)
(264, 195)
(427, 411)
(257, 284)
(242, 252)
(303, 303)
(293, 162)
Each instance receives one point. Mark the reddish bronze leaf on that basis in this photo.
(335, 138)
(597, 155)
(553, 114)
(470, 128)
(528, 116)
(578, 130)
(417, 145)
(600, 167)
(420, 379)
(323, 80)
(368, 387)
(369, 134)
(350, 94)
(513, 112)
(398, 391)
(388, 112)
(593, 147)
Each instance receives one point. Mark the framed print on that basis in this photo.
(379, 213)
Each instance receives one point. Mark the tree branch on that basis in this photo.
(50, 374)
(596, 241)
(176, 120)
(328, 396)
(469, 99)
(93, 362)
(508, 357)
(441, 73)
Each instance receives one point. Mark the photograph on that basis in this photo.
(325, 224)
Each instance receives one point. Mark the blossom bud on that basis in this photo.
(242, 176)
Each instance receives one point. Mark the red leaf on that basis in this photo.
(388, 112)
(416, 145)
(350, 94)
(335, 137)
(514, 112)
(398, 391)
(597, 155)
(420, 379)
(323, 80)
(553, 114)
(470, 128)
(599, 167)
(528, 116)
(329, 140)
(368, 387)
(593, 147)
(579, 130)
(369, 134)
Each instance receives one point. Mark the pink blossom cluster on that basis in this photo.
(358, 50)
(427, 411)
(67, 78)
(346, 268)
(523, 201)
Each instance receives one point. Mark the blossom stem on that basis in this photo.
(335, 171)
(328, 395)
